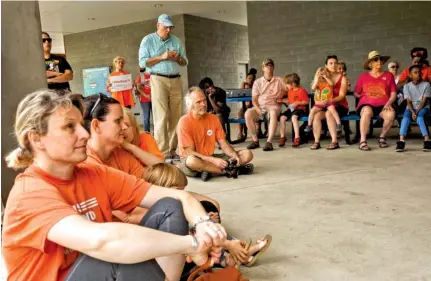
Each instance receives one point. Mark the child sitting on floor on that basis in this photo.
(416, 93)
(323, 87)
(297, 101)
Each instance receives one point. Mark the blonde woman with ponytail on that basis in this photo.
(58, 223)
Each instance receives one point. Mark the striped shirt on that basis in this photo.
(152, 46)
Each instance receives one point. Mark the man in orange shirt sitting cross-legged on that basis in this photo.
(198, 132)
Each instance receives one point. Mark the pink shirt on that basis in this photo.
(268, 92)
(375, 91)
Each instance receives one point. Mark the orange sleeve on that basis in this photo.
(151, 145)
(219, 132)
(404, 75)
(125, 191)
(184, 133)
(32, 214)
(135, 167)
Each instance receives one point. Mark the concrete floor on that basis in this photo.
(334, 215)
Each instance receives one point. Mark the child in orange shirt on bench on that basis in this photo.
(297, 100)
(323, 87)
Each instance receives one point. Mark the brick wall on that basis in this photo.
(97, 48)
(214, 49)
(299, 35)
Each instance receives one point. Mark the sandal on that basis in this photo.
(256, 255)
(364, 146)
(383, 143)
(333, 145)
(247, 246)
(315, 146)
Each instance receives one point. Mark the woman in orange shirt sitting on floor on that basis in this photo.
(104, 120)
(58, 223)
(135, 136)
(125, 98)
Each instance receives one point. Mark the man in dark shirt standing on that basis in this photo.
(58, 70)
(216, 100)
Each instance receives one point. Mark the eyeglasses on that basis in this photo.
(49, 40)
(96, 104)
(377, 59)
(394, 66)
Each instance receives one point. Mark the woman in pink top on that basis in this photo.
(376, 91)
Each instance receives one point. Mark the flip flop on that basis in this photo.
(268, 238)
(247, 246)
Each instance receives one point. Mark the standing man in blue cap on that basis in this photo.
(162, 54)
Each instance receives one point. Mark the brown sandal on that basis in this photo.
(364, 146)
(333, 145)
(383, 143)
(315, 146)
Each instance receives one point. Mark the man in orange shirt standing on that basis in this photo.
(198, 131)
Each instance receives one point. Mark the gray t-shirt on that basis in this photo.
(415, 93)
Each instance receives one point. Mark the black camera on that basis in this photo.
(232, 169)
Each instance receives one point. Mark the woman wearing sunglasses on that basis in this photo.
(376, 91)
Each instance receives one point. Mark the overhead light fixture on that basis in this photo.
(91, 19)
(158, 5)
(221, 11)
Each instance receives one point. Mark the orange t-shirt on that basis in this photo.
(149, 144)
(201, 134)
(425, 71)
(38, 201)
(324, 91)
(120, 159)
(144, 80)
(125, 98)
(297, 95)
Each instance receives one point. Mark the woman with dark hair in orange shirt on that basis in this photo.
(125, 98)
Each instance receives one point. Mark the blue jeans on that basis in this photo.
(407, 118)
(146, 111)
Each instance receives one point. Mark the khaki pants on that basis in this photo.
(167, 106)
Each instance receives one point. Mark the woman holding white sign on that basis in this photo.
(120, 84)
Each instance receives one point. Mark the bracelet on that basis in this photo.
(199, 221)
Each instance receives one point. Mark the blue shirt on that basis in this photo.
(152, 46)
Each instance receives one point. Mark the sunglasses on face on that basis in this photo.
(377, 59)
(394, 66)
(49, 40)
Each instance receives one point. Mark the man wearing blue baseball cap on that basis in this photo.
(162, 54)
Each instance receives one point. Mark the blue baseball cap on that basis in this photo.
(166, 20)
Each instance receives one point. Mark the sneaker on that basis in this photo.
(268, 147)
(308, 129)
(282, 142)
(427, 146)
(339, 128)
(205, 176)
(253, 145)
(232, 173)
(296, 142)
(247, 169)
(401, 145)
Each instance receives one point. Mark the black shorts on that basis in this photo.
(289, 113)
(376, 109)
(341, 110)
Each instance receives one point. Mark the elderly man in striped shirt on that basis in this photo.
(162, 54)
